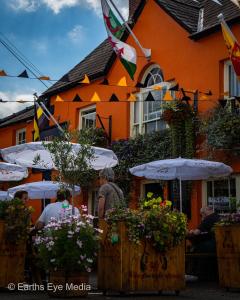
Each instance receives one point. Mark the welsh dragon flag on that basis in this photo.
(126, 53)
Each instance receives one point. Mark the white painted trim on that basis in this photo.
(226, 86)
(86, 108)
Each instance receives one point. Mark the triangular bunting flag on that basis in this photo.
(149, 97)
(105, 82)
(139, 85)
(59, 99)
(24, 74)
(65, 78)
(168, 96)
(85, 80)
(95, 97)
(157, 88)
(77, 98)
(203, 97)
(3, 73)
(174, 86)
(114, 98)
(132, 97)
(44, 78)
(122, 81)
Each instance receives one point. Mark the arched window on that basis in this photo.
(146, 115)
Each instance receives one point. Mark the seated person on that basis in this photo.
(203, 238)
(58, 210)
(21, 195)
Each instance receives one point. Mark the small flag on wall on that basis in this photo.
(122, 81)
(3, 73)
(77, 98)
(58, 99)
(85, 80)
(132, 97)
(24, 74)
(95, 97)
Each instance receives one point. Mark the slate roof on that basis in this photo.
(185, 12)
(21, 116)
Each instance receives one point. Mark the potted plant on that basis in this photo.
(67, 248)
(227, 234)
(145, 246)
(15, 219)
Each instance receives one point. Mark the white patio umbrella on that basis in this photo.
(41, 189)
(12, 172)
(25, 154)
(4, 195)
(181, 169)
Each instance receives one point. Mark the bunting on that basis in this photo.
(126, 53)
(232, 45)
(132, 98)
(122, 82)
(24, 74)
(77, 98)
(44, 78)
(85, 80)
(168, 96)
(95, 97)
(58, 99)
(114, 98)
(3, 73)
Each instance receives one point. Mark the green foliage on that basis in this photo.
(70, 244)
(97, 136)
(157, 224)
(17, 218)
(152, 202)
(139, 150)
(73, 166)
(222, 128)
(180, 118)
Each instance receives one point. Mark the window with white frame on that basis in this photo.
(231, 82)
(21, 136)
(87, 117)
(219, 193)
(146, 116)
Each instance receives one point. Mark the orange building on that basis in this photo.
(187, 46)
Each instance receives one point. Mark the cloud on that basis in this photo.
(40, 46)
(10, 108)
(58, 5)
(77, 34)
(26, 5)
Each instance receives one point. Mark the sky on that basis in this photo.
(54, 35)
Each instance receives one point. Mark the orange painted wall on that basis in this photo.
(194, 64)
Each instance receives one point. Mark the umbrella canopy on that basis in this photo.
(4, 195)
(12, 172)
(40, 189)
(182, 169)
(25, 154)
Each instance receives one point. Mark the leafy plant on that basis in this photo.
(230, 219)
(17, 217)
(222, 128)
(154, 221)
(70, 244)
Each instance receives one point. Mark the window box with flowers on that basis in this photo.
(227, 234)
(15, 220)
(68, 248)
(145, 246)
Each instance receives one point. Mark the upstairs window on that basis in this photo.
(231, 83)
(146, 116)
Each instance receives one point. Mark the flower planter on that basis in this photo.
(228, 253)
(126, 267)
(74, 284)
(12, 260)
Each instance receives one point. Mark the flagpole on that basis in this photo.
(146, 52)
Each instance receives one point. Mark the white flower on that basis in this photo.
(79, 243)
(89, 260)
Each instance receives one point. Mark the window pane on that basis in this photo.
(89, 118)
(234, 83)
(150, 127)
(136, 112)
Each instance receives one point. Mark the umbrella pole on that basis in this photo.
(73, 192)
(180, 190)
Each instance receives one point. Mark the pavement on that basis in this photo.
(195, 291)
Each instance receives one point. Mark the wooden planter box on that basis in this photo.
(12, 260)
(126, 267)
(228, 253)
(74, 284)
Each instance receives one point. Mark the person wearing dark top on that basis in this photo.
(203, 238)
